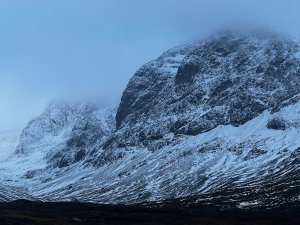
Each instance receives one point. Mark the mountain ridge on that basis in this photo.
(213, 122)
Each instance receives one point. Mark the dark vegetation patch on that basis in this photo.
(277, 123)
(25, 212)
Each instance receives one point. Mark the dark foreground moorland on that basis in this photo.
(25, 212)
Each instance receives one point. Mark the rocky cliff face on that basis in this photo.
(227, 79)
(67, 133)
(214, 122)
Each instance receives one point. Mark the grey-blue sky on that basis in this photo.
(82, 48)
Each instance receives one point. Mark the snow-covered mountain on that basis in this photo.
(214, 122)
(67, 133)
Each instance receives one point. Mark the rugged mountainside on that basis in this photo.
(64, 135)
(215, 122)
(228, 79)
(67, 133)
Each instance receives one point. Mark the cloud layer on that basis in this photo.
(74, 48)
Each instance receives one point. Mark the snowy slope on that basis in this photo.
(8, 144)
(11, 193)
(249, 157)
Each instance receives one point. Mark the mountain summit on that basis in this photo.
(227, 79)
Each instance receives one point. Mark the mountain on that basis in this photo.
(67, 133)
(226, 80)
(215, 122)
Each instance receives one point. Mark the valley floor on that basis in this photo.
(25, 212)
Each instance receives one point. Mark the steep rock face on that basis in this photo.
(148, 82)
(227, 79)
(67, 133)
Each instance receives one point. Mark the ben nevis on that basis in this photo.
(206, 133)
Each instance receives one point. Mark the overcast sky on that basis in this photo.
(82, 48)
